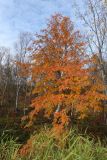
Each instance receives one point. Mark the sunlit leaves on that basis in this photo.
(62, 75)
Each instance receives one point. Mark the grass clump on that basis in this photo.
(45, 146)
(70, 146)
(8, 148)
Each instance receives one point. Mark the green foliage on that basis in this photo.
(8, 148)
(70, 146)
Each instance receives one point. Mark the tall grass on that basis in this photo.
(8, 148)
(70, 146)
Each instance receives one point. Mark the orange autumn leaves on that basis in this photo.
(61, 74)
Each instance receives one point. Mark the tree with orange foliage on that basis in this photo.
(60, 71)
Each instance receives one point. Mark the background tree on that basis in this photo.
(95, 21)
(6, 80)
(13, 87)
(21, 56)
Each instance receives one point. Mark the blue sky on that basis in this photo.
(28, 15)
